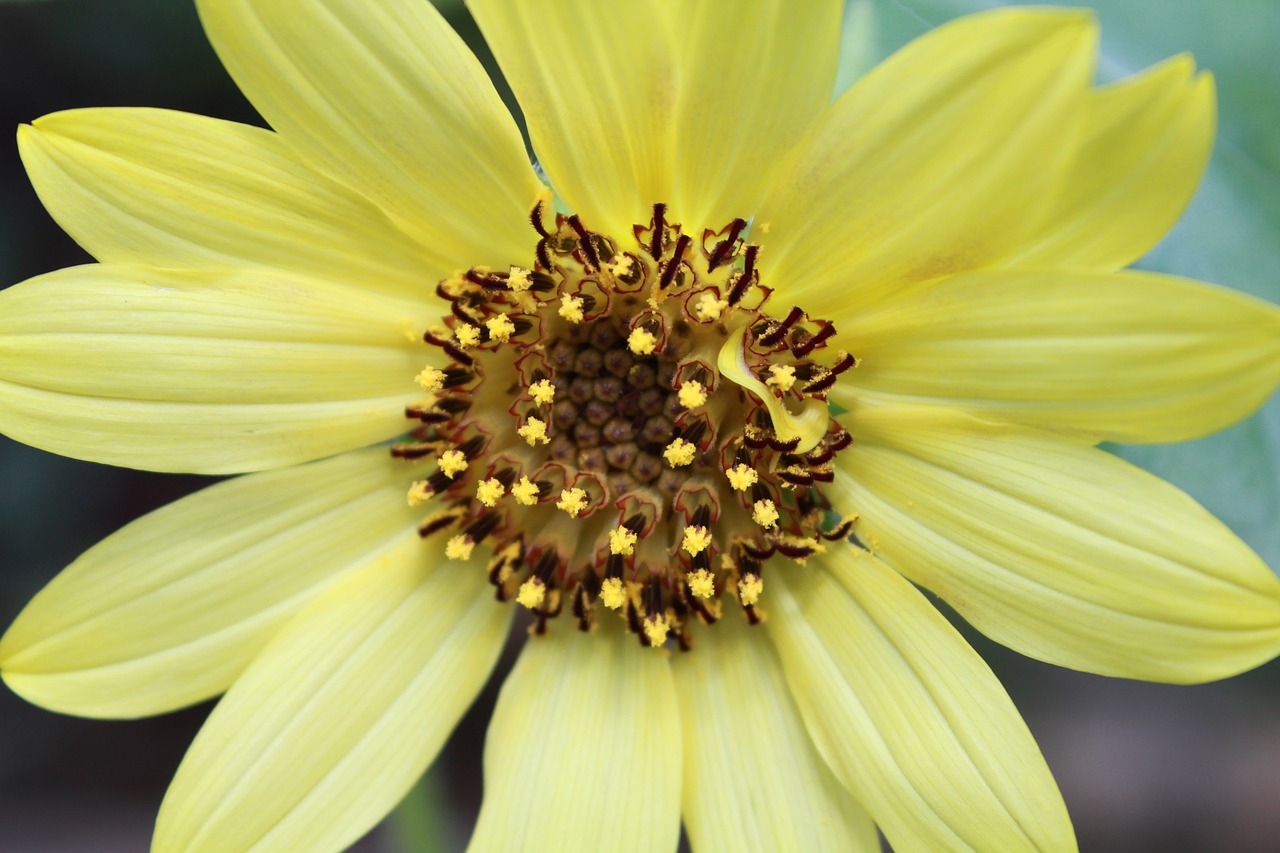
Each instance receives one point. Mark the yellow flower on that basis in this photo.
(936, 252)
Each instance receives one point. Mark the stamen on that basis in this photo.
(692, 394)
(764, 513)
(641, 341)
(466, 336)
(489, 491)
(701, 583)
(749, 588)
(742, 477)
(431, 379)
(542, 392)
(500, 328)
(459, 547)
(571, 309)
(696, 540)
(532, 593)
(679, 453)
(622, 541)
(573, 501)
(612, 593)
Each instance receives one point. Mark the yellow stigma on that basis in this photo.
(764, 513)
(525, 492)
(701, 583)
(452, 463)
(519, 280)
(543, 392)
(749, 588)
(692, 395)
(572, 501)
(696, 540)
(656, 628)
(466, 335)
(622, 266)
(641, 341)
(679, 453)
(781, 376)
(500, 328)
(612, 593)
(531, 593)
(488, 491)
(742, 477)
(459, 547)
(622, 541)
(709, 307)
(571, 309)
(420, 492)
(534, 432)
(431, 380)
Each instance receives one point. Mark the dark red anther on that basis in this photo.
(724, 249)
(821, 385)
(673, 266)
(744, 279)
(657, 235)
(777, 331)
(590, 257)
(802, 348)
(535, 219)
(840, 531)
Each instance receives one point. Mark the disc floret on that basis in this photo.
(627, 427)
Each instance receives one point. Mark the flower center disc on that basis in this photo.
(627, 426)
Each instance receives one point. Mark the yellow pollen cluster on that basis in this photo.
(488, 491)
(525, 492)
(679, 453)
(623, 266)
(420, 492)
(692, 394)
(764, 513)
(431, 380)
(696, 540)
(571, 309)
(543, 392)
(622, 541)
(781, 376)
(459, 547)
(519, 280)
(749, 588)
(572, 501)
(742, 477)
(612, 593)
(641, 341)
(452, 463)
(466, 335)
(534, 432)
(500, 328)
(532, 592)
(656, 628)
(709, 307)
(701, 583)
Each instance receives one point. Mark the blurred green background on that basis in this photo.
(1142, 767)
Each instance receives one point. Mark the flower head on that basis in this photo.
(775, 360)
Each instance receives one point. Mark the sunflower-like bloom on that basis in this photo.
(767, 362)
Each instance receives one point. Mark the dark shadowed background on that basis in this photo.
(1142, 767)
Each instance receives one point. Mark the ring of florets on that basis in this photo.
(627, 426)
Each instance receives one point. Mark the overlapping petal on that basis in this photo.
(341, 713)
(1058, 550)
(169, 610)
(583, 752)
(937, 161)
(208, 372)
(1134, 357)
(598, 88)
(907, 715)
(386, 98)
(167, 188)
(1145, 145)
(751, 83)
(752, 780)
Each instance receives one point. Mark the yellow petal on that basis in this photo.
(752, 778)
(1060, 551)
(809, 425)
(208, 372)
(1145, 145)
(583, 752)
(331, 725)
(597, 87)
(170, 609)
(1128, 356)
(171, 189)
(386, 98)
(907, 715)
(937, 161)
(752, 81)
